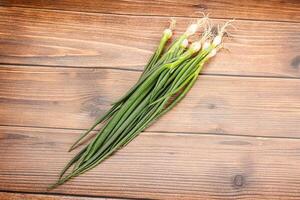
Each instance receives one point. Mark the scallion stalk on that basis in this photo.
(167, 78)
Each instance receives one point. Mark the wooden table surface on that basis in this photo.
(235, 136)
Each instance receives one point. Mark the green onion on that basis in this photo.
(167, 78)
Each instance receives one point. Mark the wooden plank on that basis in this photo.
(245, 9)
(25, 196)
(75, 97)
(156, 166)
(56, 38)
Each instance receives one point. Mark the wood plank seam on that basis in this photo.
(164, 132)
(68, 195)
(140, 70)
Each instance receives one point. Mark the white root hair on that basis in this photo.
(172, 23)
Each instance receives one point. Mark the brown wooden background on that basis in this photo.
(235, 136)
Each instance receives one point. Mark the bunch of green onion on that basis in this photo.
(166, 79)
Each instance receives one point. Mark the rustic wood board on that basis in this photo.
(273, 10)
(74, 98)
(235, 136)
(28, 196)
(156, 166)
(31, 37)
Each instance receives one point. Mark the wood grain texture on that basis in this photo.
(179, 166)
(235, 136)
(55, 38)
(287, 10)
(24, 196)
(75, 97)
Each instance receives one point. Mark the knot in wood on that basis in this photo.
(238, 181)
